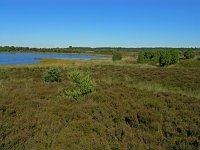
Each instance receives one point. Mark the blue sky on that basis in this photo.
(99, 23)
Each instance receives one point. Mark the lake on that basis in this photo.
(31, 58)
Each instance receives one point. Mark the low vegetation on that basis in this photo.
(164, 58)
(135, 106)
(168, 58)
(141, 57)
(83, 84)
(116, 56)
(189, 54)
(52, 75)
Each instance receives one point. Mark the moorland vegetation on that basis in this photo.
(123, 104)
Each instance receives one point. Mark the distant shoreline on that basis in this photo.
(38, 52)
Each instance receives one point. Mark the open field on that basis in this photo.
(99, 75)
(134, 107)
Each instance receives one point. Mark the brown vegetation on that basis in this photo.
(125, 112)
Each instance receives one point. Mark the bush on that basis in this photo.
(52, 75)
(155, 57)
(116, 56)
(148, 55)
(168, 57)
(174, 56)
(84, 84)
(140, 59)
(189, 54)
(165, 58)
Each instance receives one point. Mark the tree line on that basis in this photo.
(70, 49)
(163, 57)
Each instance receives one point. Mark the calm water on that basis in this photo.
(31, 58)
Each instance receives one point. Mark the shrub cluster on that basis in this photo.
(168, 58)
(140, 59)
(84, 84)
(116, 56)
(189, 54)
(53, 74)
(164, 58)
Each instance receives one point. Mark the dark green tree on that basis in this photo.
(189, 54)
(165, 58)
(140, 59)
(148, 55)
(174, 56)
(116, 56)
(52, 75)
(155, 56)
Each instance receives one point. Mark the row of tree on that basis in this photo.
(70, 49)
(163, 57)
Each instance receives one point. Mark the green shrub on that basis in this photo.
(148, 55)
(140, 59)
(116, 56)
(155, 57)
(174, 56)
(189, 54)
(84, 84)
(52, 75)
(165, 58)
(168, 57)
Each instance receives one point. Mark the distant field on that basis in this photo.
(134, 107)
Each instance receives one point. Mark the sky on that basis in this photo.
(100, 23)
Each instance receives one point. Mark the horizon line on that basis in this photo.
(96, 47)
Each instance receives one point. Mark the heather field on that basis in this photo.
(100, 75)
(134, 106)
